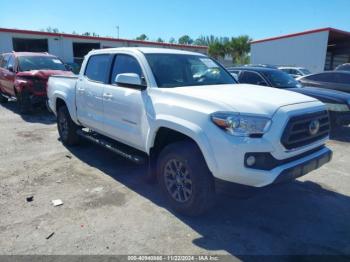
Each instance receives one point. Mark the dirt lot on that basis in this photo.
(109, 209)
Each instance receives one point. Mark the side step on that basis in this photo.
(123, 150)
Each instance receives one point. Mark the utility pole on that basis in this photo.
(117, 30)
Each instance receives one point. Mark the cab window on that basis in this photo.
(97, 68)
(252, 78)
(125, 64)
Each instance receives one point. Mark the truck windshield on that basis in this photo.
(280, 79)
(174, 70)
(27, 63)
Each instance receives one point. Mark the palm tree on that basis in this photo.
(239, 48)
(217, 50)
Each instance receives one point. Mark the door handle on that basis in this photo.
(107, 96)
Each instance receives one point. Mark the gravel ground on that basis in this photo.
(109, 208)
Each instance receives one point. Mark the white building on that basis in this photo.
(317, 50)
(72, 48)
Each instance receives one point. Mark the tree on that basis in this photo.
(86, 34)
(239, 48)
(217, 50)
(172, 40)
(185, 40)
(142, 37)
(160, 40)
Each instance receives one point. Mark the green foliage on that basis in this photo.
(142, 37)
(160, 40)
(185, 40)
(217, 50)
(238, 48)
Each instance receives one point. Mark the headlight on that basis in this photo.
(337, 107)
(241, 125)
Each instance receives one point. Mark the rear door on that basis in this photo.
(124, 108)
(89, 91)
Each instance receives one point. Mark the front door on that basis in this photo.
(124, 108)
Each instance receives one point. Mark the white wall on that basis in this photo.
(308, 51)
(5, 42)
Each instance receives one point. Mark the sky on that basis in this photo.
(174, 18)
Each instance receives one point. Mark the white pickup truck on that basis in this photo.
(185, 116)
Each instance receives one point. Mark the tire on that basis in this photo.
(3, 99)
(24, 103)
(185, 178)
(67, 129)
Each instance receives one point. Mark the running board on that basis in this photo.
(123, 150)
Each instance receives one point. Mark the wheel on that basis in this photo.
(3, 99)
(24, 103)
(185, 178)
(67, 129)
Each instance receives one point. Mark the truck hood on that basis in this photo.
(242, 98)
(43, 74)
(324, 95)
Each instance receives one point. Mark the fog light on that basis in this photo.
(251, 161)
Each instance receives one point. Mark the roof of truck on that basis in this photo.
(146, 50)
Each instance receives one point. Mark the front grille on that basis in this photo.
(297, 133)
(39, 85)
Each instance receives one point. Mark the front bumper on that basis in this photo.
(285, 172)
(305, 167)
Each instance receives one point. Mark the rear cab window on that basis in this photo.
(97, 68)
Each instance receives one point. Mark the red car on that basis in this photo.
(24, 75)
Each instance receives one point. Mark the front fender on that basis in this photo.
(187, 128)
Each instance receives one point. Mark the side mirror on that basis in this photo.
(130, 80)
(11, 69)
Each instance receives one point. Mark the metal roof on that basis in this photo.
(31, 32)
(331, 30)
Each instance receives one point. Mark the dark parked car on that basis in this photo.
(343, 67)
(338, 103)
(24, 75)
(336, 80)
